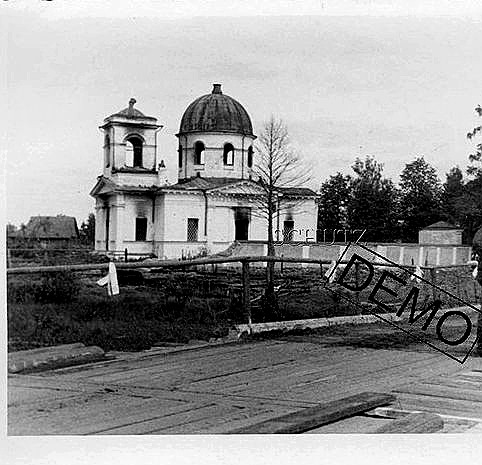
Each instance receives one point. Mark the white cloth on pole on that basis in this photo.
(111, 280)
(475, 272)
(330, 274)
(418, 273)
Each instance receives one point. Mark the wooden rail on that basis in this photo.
(187, 263)
(243, 260)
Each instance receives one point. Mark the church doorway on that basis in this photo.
(241, 223)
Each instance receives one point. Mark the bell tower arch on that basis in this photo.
(130, 146)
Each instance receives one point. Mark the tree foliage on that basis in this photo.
(453, 191)
(420, 198)
(333, 203)
(372, 205)
(476, 157)
(87, 230)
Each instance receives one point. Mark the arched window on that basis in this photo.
(250, 156)
(107, 151)
(199, 153)
(228, 156)
(179, 150)
(134, 151)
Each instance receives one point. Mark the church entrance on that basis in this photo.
(241, 223)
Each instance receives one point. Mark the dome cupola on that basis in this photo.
(215, 138)
(216, 112)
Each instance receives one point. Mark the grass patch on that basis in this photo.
(134, 320)
(171, 306)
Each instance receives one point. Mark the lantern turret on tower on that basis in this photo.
(130, 146)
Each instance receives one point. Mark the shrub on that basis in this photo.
(59, 287)
(22, 292)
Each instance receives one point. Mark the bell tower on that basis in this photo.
(130, 147)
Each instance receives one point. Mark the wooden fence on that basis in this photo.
(244, 261)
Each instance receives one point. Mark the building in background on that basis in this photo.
(440, 233)
(213, 202)
(53, 232)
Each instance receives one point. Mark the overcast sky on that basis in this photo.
(349, 78)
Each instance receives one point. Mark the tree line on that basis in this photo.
(366, 199)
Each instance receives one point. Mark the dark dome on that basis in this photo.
(216, 112)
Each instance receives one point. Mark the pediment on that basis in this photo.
(244, 187)
(103, 186)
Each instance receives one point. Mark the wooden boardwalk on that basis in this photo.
(224, 388)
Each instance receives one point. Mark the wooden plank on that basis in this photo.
(413, 423)
(439, 405)
(454, 381)
(360, 365)
(447, 393)
(393, 413)
(93, 414)
(359, 424)
(246, 292)
(364, 374)
(313, 417)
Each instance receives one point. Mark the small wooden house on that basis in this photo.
(440, 232)
(56, 232)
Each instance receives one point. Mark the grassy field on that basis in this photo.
(43, 312)
(174, 306)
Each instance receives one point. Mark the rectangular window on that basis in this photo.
(141, 229)
(192, 229)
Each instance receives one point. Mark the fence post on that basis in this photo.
(281, 263)
(125, 254)
(246, 291)
(357, 280)
(433, 280)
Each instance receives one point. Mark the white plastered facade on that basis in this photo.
(137, 211)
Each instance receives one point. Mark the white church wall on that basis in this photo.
(135, 179)
(213, 155)
(221, 223)
(99, 225)
(304, 214)
(137, 207)
(258, 227)
(116, 224)
(177, 209)
(171, 238)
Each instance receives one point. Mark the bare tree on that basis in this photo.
(279, 168)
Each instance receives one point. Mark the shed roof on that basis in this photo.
(52, 227)
(441, 225)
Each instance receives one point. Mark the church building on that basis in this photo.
(211, 205)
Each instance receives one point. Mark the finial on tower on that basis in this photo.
(132, 102)
(217, 89)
